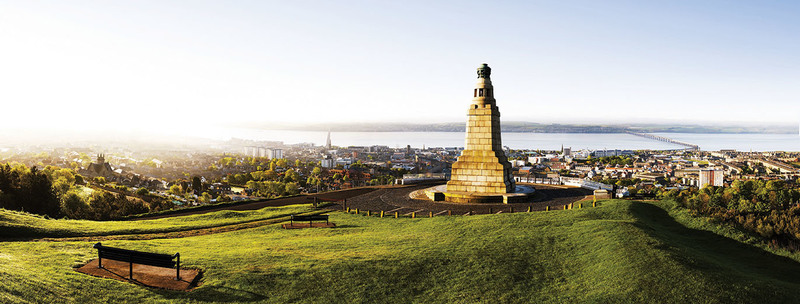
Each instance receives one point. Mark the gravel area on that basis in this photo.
(398, 199)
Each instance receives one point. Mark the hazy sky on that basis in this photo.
(175, 64)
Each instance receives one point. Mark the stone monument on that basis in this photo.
(482, 174)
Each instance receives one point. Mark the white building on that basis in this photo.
(327, 162)
(711, 177)
(273, 153)
(253, 151)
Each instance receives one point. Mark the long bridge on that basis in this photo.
(666, 139)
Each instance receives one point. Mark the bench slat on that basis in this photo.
(316, 217)
(135, 257)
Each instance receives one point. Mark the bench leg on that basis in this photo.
(131, 270)
(178, 269)
(99, 262)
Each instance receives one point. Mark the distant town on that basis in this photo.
(237, 170)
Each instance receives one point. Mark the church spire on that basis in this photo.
(328, 142)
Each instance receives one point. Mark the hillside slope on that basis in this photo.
(619, 252)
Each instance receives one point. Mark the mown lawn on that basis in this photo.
(619, 252)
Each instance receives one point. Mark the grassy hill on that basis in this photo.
(15, 225)
(619, 252)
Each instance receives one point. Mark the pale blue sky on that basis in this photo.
(179, 62)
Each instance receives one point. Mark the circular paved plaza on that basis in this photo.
(399, 199)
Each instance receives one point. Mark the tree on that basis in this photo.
(291, 176)
(73, 206)
(161, 204)
(175, 190)
(291, 189)
(281, 162)
(197, 184)
(270, 175)
(205, 198)
(38, 195)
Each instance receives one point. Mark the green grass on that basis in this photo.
(699, 162)
(619, 252)
(23, 225)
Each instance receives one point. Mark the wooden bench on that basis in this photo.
(138, 257)
(308, 218)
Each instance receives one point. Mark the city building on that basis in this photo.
(327, 162)
(711, 177)
(254, 151)
(273, 153)
(101, 167)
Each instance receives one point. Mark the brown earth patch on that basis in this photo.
(150, 276)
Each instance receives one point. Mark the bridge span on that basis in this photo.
(666, 139)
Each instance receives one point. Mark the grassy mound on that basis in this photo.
(16, 225)
(620, 252)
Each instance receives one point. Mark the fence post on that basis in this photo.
(490, 210)
(529, 208)
(449, 212)
(131, 267)
(369, 213)
(546, 208)
(430, 213)
(381, 213)
(356, 210)
(348, 209)
(511, 210)
(413, 215)
(395, 214)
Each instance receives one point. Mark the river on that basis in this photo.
(516, 140)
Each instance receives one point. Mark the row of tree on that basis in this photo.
(273, 189)
(28, 189)
(58, 192)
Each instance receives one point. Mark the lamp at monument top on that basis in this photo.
(484, 92)
(484, 71)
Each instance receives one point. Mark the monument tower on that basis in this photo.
(482, 169)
